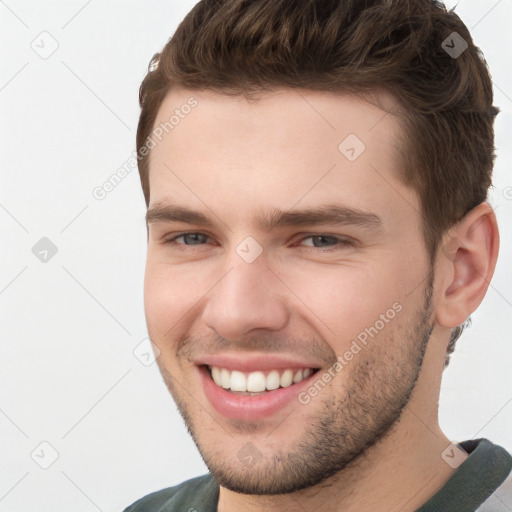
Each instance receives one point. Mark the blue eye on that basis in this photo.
(326, 241)
(189, 239)
(310, 242)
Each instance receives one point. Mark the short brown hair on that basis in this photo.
(242, 47)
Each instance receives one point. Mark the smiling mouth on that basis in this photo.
(258, 382)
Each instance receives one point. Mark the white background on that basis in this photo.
(68, 327)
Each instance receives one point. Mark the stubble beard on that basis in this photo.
(376, 390)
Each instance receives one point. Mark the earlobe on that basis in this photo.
(466, 263)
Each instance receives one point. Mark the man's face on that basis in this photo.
(284, 251)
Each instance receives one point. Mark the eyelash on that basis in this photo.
(341, 241)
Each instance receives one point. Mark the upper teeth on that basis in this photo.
(257, 381)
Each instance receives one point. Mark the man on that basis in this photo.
(316, 174)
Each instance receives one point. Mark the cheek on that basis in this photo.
(343, 302)
(164, 299)
(171, 295)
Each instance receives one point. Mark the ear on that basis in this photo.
(465, 264)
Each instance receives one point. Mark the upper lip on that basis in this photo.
(255, 362)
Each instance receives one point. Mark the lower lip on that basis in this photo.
(246, 407)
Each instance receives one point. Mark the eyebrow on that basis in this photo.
(332, 215)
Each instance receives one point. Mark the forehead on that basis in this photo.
(283, 148)
(283, 116)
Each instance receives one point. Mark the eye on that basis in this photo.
(326, 241)
(188, 239)
(312, 241)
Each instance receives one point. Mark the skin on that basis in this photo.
(370, 440)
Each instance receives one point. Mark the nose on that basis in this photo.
(248, 297)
